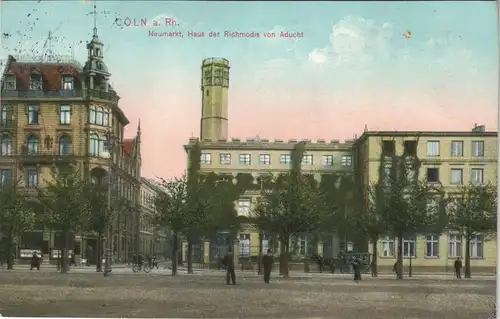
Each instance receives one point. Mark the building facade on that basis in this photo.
(258, 157)
(55, 112)
(154, 239)
(448, 159)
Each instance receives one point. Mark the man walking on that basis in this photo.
(267, 262)
(229, 263)
(458, 268)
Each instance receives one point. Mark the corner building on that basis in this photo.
(448, 158)
(57, 112)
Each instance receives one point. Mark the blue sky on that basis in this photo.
(354, 66)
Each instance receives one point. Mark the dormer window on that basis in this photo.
(67, 83)
(10, 82)
(36, 82)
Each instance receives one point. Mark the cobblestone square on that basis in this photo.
(207, 296)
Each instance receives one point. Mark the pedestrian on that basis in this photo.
(267, 262)
(321, 263)
(356, 265)
(35, 261)
(219, 261)
(73, 259)
(458, 268)
(332, 265)
(229, 263)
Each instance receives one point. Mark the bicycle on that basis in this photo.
(144, 267)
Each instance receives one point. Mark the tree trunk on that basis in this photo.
(467, 273)
(399, 263)
(175, 249)
(98, 267)
(190, 256)
(64, 255)
(259, 269)
(284, 256)
(374, 261)
(8, 250)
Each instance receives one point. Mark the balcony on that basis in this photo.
(43, 94)
(59, 94)
(46, 157)
(7, 124)
(108, 96)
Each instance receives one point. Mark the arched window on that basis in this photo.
(5, 145)
(99, 114)
(64, 145)
(92, 113)
(32, 144)
(94, 145)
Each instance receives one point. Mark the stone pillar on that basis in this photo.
(319, 247)
(206, 252)
(91, 82)
(184, 250)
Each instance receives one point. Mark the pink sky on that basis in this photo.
(298, 115)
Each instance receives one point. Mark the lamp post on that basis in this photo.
(109, 146)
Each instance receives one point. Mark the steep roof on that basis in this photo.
(128, 146)
(51, 73)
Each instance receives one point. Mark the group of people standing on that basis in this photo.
(228, 263)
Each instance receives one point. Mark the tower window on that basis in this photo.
(97, 52)
(208, 92)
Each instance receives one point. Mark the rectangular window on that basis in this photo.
(410, 148)
(327, 160)
(307, 159)
(456, 176)
(244, 245)
(245, 159)
(431, 246)
(302, 245)
(5, 145)
(388, 148)
(432, 175)
(387, 246)
(477, 176)
(225, 158)
(409, 247)
(477, 148)
(206, 158)
(433, 148)
(33, 114)
(5, 176)
(454, 246)
(476, 247)
(265, 159)
(457, 148)
(244, 206)
(10, 83)
(346, 161)
(64, 114)
(285, 159)
(67, 83)
(35, 83)
(32, 177)
(432, 206)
